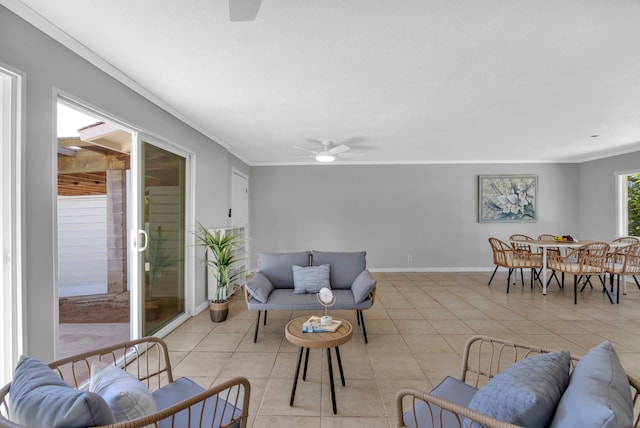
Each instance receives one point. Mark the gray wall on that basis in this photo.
(391, 211)
(48, 66)
(597, 194)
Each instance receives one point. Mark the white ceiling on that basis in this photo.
(410, 81)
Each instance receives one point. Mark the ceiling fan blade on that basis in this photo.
(303, 156)
(349, 155)
(305, 149)
(339, 149)
(243, 10)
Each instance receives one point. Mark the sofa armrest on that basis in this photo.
(259, 287)
(363, 286)
(409, 399)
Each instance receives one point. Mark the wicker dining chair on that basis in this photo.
(504, 255)
(524, 250)
(554, 251)
(583, 262)
(632, 269)
(622, 262)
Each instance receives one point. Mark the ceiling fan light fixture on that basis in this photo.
(325, 157)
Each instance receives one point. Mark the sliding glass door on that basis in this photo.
(158, 235)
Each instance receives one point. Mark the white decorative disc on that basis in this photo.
(325, 295)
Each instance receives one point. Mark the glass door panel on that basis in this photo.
(162, 255)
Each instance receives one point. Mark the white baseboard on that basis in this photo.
(434, 269)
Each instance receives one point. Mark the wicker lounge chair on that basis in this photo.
(483, 359)
(180, 402)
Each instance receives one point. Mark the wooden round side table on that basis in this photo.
(293, 333)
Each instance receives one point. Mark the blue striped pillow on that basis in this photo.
(310, 279)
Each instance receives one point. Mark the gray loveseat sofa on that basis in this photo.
(275, 287)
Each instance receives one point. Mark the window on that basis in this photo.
(628, 221)
(10, 293)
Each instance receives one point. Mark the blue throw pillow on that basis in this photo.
(310, 279)
(527, 392)
(259, 287)
(39, 398)
(600, 389)
(363, 286)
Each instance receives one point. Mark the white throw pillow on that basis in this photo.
(127, 397)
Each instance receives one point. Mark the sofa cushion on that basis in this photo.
(285, 300)
(259, 287)
(527, 392)
(277, 266)
(345, 267)
(183, 388)
(310, 279)
(450, 389)
(127, 397)
(39, 398)
(600, 389)
(363, 286)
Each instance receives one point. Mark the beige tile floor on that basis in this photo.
(416, 329)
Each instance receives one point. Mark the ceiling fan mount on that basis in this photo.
(243, 10)
(329, 151)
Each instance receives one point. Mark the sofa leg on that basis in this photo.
(255, 336)
(358, 316)
(264, 321)
(361, 322)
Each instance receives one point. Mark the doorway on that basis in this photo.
(93, 159)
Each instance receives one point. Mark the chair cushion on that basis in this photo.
(527, 392)
(277, 266)
(600, 389)
(310, 279)
(217, 412)
(259, 287)
(363, 286)
(39, 398)
(450, 389)
(127, 397)
(345, 267)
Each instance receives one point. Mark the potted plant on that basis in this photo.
(221, 254)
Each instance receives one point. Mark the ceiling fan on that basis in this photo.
(328, 153)
(243, 10)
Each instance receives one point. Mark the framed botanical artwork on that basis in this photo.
(507, 198)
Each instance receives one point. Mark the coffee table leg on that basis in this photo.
(306, 362)
(340, 366)
(333, 389)
(295, 379)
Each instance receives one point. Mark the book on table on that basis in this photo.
(312, 325)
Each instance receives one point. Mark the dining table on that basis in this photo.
(544, 244)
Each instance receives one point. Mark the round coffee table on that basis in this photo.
(293, 333)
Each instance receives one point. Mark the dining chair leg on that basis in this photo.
(533, 273)
(636, 280)
(509, 279)
(618, 291)
(494, 274)
(554, 275)
(575, 289)
(604, 289)
(521, 276)
(624, 285)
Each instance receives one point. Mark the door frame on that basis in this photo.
(190, 303)
(12, 313)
